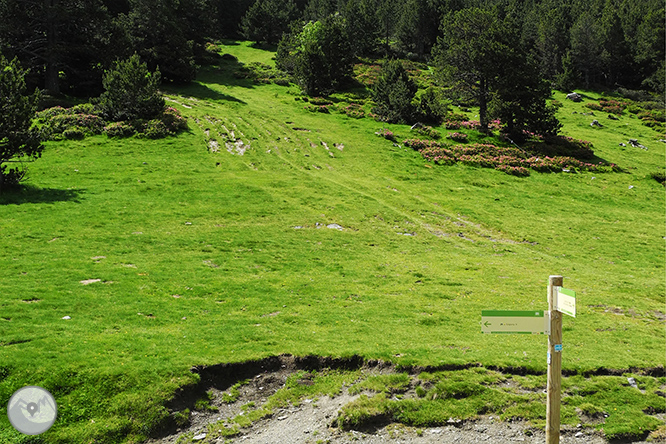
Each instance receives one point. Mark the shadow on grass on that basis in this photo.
(31, 194)
(200, 91)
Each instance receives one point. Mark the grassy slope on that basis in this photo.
(202, 263)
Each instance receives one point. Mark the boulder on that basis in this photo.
(596, 123)
(574, 96)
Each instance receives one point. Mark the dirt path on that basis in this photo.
(313, 420)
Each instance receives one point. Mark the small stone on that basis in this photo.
(188, 223)
(632, 382)
(281, 418)
(631, 186)
(579, 435)
(199, 437)
(66, 318)
(334, 227)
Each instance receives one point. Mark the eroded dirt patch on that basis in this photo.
(230, 388)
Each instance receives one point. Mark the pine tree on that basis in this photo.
(19, 140)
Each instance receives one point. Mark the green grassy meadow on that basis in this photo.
(205, 256)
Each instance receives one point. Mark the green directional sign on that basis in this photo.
(513, 321)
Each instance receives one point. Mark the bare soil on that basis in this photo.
(313, 421)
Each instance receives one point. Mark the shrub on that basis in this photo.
(458, 137)
(431, 106)
(393, 93)
(317, 108)
(46, 115)
(74, 133)
(508, 159)
(155, 129)
(427, 131)
(353, 110)
(594, 106)
(60, 122)
(659, 177)
(131, 91)
(173, 121)
(119, 129)
(320, 101)
(386, 134)
(84, 108)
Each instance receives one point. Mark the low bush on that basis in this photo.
(427, 131)
(74, 133)
(458, 137)
(173, 121)
(659, 177)
(353, 110)
(511, 160)
(60, 120)
(317, 108)
(155, 129)
(320, 101)
(119, 129)
(386, 134)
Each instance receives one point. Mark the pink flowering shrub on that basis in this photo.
(458, 137)
(386, 134)
(173, 121)
(428, 131)
(508, 159)
(353, 110)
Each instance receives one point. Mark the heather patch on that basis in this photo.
(511, 160)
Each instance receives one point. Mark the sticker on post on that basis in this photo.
(558, 347)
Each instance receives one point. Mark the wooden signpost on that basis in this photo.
(560, 300)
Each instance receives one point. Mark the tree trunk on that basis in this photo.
(52, 81)
(483, 105)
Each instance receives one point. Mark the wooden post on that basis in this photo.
(554, 364)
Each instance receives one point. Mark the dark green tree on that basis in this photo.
(363, 28)
(267, 20)
(469, 54)
(157, 31)
(417, 28)
(393, 93)
(519, 100)
(131, 91)
(19, 140)
(586, 48)
(319, 9)
(319, 56)
(61, 42)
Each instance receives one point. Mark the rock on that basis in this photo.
(66, 318)
(574, 97)
(632, 382)
(334, 227)
(612, 117)
(89, 281)
(199, 437)
(623, 144)
(579, 435)
(633, 142)
(596, 123)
